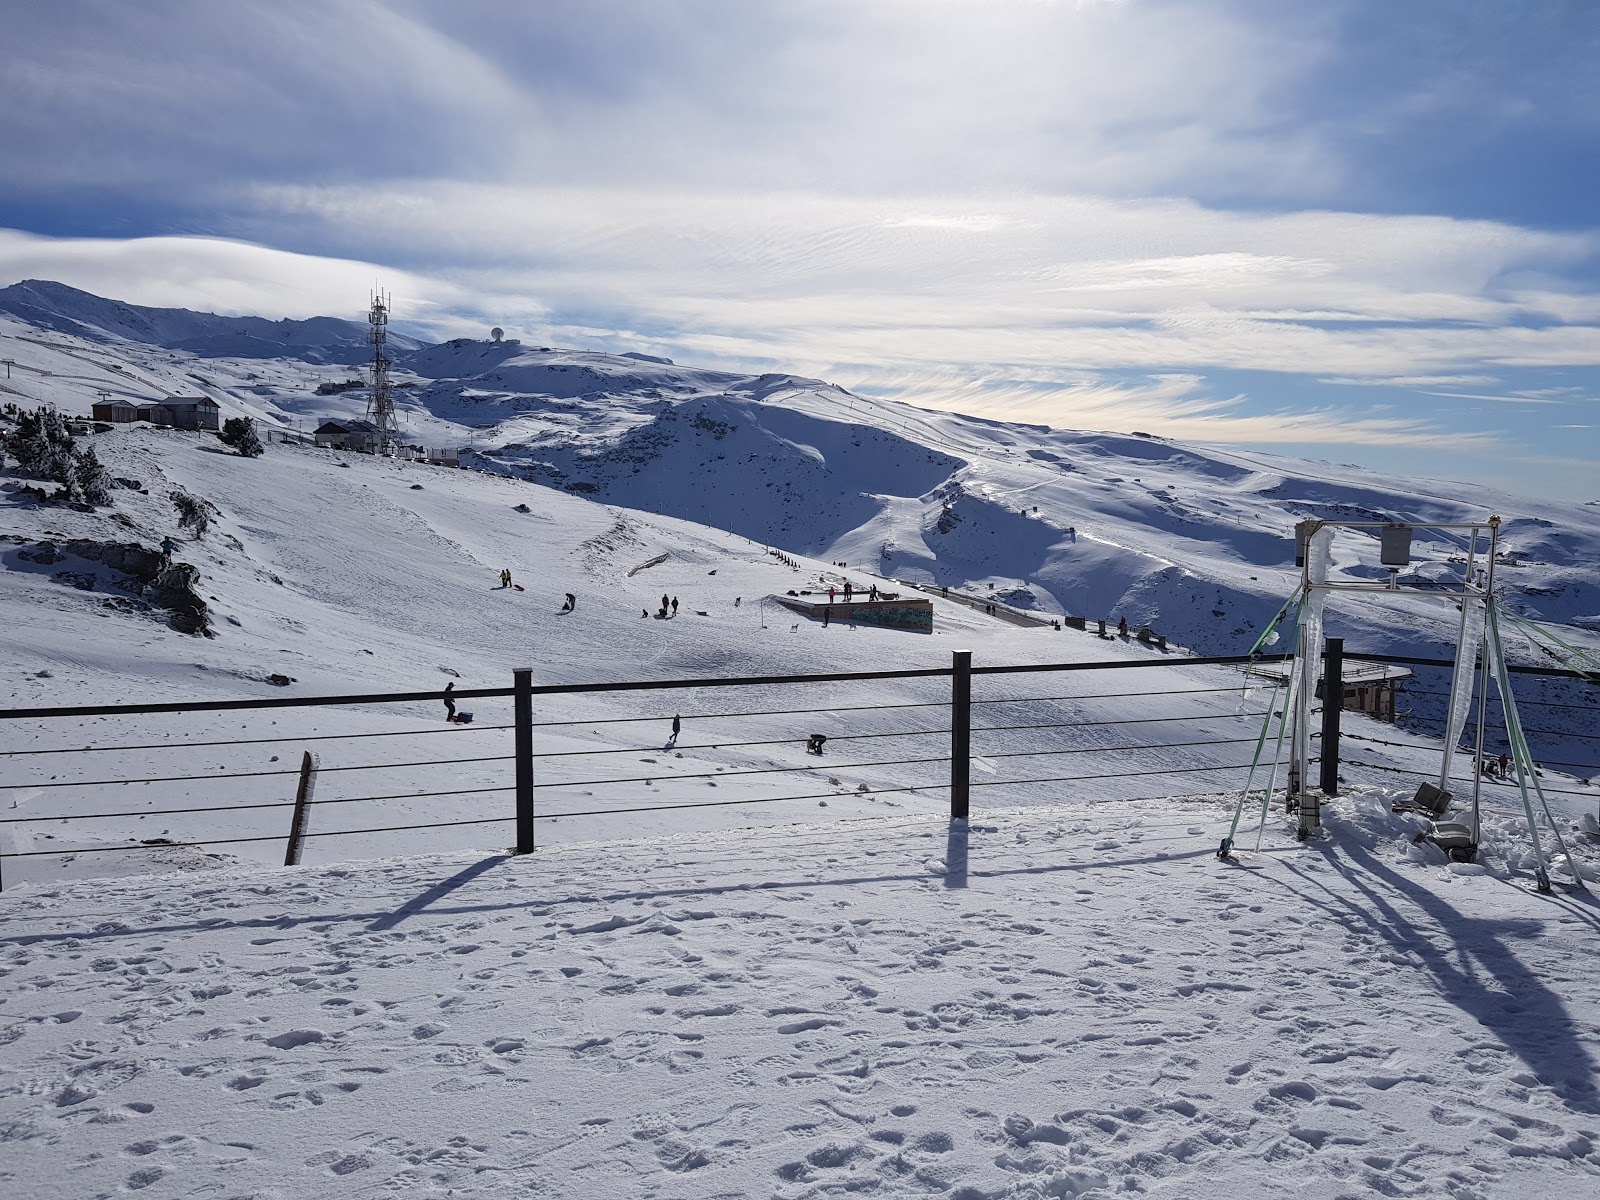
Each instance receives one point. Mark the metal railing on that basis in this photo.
(934, 735)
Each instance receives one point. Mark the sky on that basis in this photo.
(1355, 231)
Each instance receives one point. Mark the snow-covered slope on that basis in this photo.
(733, 968)
(1192, 541)
(63, 309)
(1040, 1005)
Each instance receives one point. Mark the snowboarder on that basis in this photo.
(572, 602)
(449, 704)
(674, 606)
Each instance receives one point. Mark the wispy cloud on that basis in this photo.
(1074, 211)
(217, 275)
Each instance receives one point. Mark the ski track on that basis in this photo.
(1038, 1006)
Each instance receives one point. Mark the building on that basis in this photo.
(349, 433)
(180, 412)
(1368, 687)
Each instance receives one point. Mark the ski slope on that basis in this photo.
(696, 987)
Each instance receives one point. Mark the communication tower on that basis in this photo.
(380, 404)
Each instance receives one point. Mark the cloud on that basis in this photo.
(218, 275)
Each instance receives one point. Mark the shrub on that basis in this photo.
(240, 433)
(193, 512)
(45, 449)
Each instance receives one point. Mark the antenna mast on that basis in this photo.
(380, 405)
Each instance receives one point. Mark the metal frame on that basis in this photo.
(1485, 656)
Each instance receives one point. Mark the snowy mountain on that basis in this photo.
(1192, 541)
(63, 309)
(734, 968)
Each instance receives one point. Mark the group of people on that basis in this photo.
(850, 592)
(669, 607)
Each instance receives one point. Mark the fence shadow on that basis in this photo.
(427, 902)
(955, 855)
(438, 891)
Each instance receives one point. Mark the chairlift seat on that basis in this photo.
(1430, 800)
(1454, 838)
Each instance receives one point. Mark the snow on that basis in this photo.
(732, 968)
(1042, 1003)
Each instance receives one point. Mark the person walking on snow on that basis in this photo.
(505, 577)
(677, 724)
(666, 602)
(1122, 626)
(674, 606)
(449, 704)
(830, 593)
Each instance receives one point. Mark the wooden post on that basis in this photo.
(960, 733)
(302, 809)
(522, 717)
(1332, 704)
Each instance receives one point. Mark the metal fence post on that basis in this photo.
(522, 718)
(960, 733)
(302, 809)
(1332, 705)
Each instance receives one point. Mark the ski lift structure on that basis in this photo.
(1479, 658)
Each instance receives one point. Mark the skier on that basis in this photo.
(449, 704)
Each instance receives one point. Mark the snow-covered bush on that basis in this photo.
(193, 512)
(44, 448)
(240, 433)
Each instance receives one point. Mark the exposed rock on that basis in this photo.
(171, 585)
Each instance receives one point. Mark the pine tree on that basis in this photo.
(240, 433)
(89, 475)
(193, 512)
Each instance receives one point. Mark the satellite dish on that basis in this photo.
(497, 333)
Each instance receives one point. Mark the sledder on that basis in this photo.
(450, 713)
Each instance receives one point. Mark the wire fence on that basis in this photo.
(107, 789)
